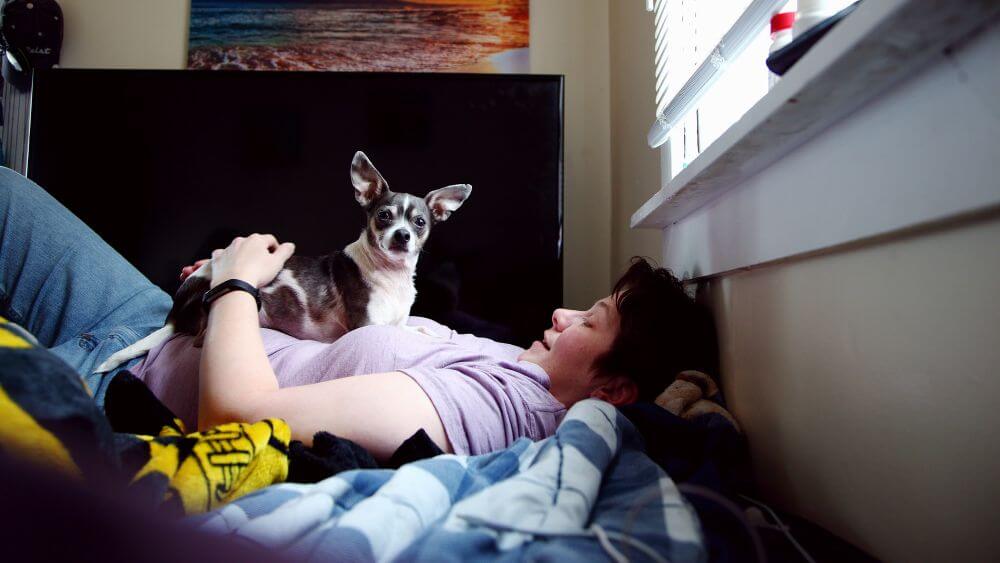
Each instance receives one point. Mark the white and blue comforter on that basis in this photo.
(587, 492)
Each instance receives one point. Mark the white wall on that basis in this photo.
(866, 377)
(568, 37)
(867, 383)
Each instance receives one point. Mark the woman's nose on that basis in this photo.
(562, 318)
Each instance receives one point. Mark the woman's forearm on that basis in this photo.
(239, 385)
(235, 372)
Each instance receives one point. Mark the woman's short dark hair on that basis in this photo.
(662, 330)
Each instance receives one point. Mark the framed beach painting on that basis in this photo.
(360, 35)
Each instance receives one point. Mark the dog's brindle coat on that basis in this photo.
(321, 298)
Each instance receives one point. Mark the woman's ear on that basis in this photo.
(619, 391)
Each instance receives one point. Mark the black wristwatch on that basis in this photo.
(227, 286)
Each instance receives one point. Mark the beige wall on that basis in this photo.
(568, 37)
(571, 37)
(125, 33)
(868, 383)
(635, 168)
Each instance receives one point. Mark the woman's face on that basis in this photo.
(569, 349)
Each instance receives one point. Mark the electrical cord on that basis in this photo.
(603, 536)
(732, 508)
(784, 528)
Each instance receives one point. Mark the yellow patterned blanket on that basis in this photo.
(48, 416)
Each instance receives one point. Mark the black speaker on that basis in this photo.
(31, 37)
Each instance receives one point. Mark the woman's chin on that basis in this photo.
(534, 353)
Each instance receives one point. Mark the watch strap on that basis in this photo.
(227, 286)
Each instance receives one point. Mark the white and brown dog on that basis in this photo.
(320, 298)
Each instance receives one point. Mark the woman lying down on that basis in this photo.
(376, 385)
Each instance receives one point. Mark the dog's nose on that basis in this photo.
(401, 236)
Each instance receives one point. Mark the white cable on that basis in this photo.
(595, 530)
(606, 544)
(640, 545)
(730, 506)
(784, 528)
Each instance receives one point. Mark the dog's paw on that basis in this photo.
(111, 363)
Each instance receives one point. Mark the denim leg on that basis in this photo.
(64, 284)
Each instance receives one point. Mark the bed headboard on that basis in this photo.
(197, 157)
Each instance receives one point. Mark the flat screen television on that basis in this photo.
(167, 165)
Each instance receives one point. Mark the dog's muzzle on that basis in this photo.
(400, 241)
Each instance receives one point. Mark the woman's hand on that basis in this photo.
(255, 259)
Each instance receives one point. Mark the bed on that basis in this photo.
(588, 492)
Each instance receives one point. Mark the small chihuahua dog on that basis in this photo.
(320, 298)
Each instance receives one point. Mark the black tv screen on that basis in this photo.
(167, 165)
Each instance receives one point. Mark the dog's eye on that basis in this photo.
(384, 215)
(419, 221)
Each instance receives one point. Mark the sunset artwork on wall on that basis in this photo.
(360, 35)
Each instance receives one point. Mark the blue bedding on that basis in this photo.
(587, 492)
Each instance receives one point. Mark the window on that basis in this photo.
(709, 71)
(855, 113)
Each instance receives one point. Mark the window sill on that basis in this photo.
(875, 47)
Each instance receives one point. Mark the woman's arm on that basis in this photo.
(378, 411)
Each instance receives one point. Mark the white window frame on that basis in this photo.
(692, 54)
(845, 148)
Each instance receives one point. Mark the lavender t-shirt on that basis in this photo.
(485, 397)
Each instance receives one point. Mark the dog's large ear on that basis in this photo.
(369, 185)
(442, 202)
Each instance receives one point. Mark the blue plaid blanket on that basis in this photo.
(587, 492)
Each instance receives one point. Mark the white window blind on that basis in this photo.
(710, 68)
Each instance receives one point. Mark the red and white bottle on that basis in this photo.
(811, 12)
(781, 35)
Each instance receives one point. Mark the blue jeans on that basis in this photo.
(64, 284)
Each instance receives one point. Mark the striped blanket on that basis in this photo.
(587, 492)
